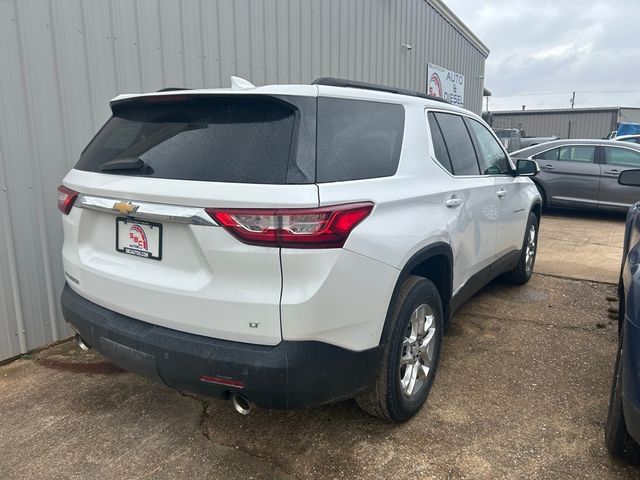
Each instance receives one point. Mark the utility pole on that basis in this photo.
(573, 99)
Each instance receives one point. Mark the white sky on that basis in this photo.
(543, 50)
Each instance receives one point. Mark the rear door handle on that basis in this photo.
(501, 193)
(611, 172)
(453, 202)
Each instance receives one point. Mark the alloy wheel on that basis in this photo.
(416, 356)
(530, 253)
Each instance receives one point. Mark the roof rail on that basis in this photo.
(172, 89)
(341, 82)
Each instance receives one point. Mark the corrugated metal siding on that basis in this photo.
(12, 340)
(629, 115)
(585, 124)
(61, 61)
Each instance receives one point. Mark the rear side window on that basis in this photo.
(623, 157)
(577, 153)
(459, 144)
(223, 139)
(358, 139)
(439, 147)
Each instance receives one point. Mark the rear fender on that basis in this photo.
(436, 249)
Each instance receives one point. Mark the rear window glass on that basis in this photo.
(461, 151)
(439, 147)
(242, 139)
(579, 153)
(623, 157)
(358, 139)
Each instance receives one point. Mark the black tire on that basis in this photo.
(523, 270)
(619, 442)
(386, 399)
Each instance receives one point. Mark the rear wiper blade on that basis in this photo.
(126, 163)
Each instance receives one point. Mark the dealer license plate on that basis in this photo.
(139, 238)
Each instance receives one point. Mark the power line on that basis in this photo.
(566, 93)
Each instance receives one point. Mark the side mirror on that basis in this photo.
(630, 178)
(527, 168)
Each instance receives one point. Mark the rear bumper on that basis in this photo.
(292, 374)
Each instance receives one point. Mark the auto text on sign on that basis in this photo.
(445, 84)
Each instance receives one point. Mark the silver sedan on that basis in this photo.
(584, 173)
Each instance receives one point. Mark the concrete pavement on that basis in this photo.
(581, 244)
(521, 392)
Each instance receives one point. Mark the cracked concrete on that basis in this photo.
(521, 392)
(59, 423)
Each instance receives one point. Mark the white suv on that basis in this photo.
(289, 245)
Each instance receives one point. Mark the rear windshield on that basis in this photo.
(358, 139)
(249, 139)
(223, 139)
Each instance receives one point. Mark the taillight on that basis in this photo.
(66, 198)
(326, 227)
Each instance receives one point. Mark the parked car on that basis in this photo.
(635, 138)
(515, 139)
(584, 173)
(623, 421)
(289, 245)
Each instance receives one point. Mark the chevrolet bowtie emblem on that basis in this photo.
(125, 208)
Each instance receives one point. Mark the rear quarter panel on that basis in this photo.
(342, 296)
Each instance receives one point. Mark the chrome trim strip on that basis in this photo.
(148, 210)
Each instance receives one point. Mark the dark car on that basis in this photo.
(623, 421)
(584, 173)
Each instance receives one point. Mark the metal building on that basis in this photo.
(566, 123)
(61, 62)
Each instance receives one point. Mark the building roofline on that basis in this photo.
(459, 25)
(556, 110)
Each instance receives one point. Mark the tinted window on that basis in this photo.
(495, 160)
(439, 147)
(548, 155)
(358, 139)
(623, 157)
(245, 140)
(577, 153)
(459, 145)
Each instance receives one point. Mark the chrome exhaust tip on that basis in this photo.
(241, 405)
(80, 342)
